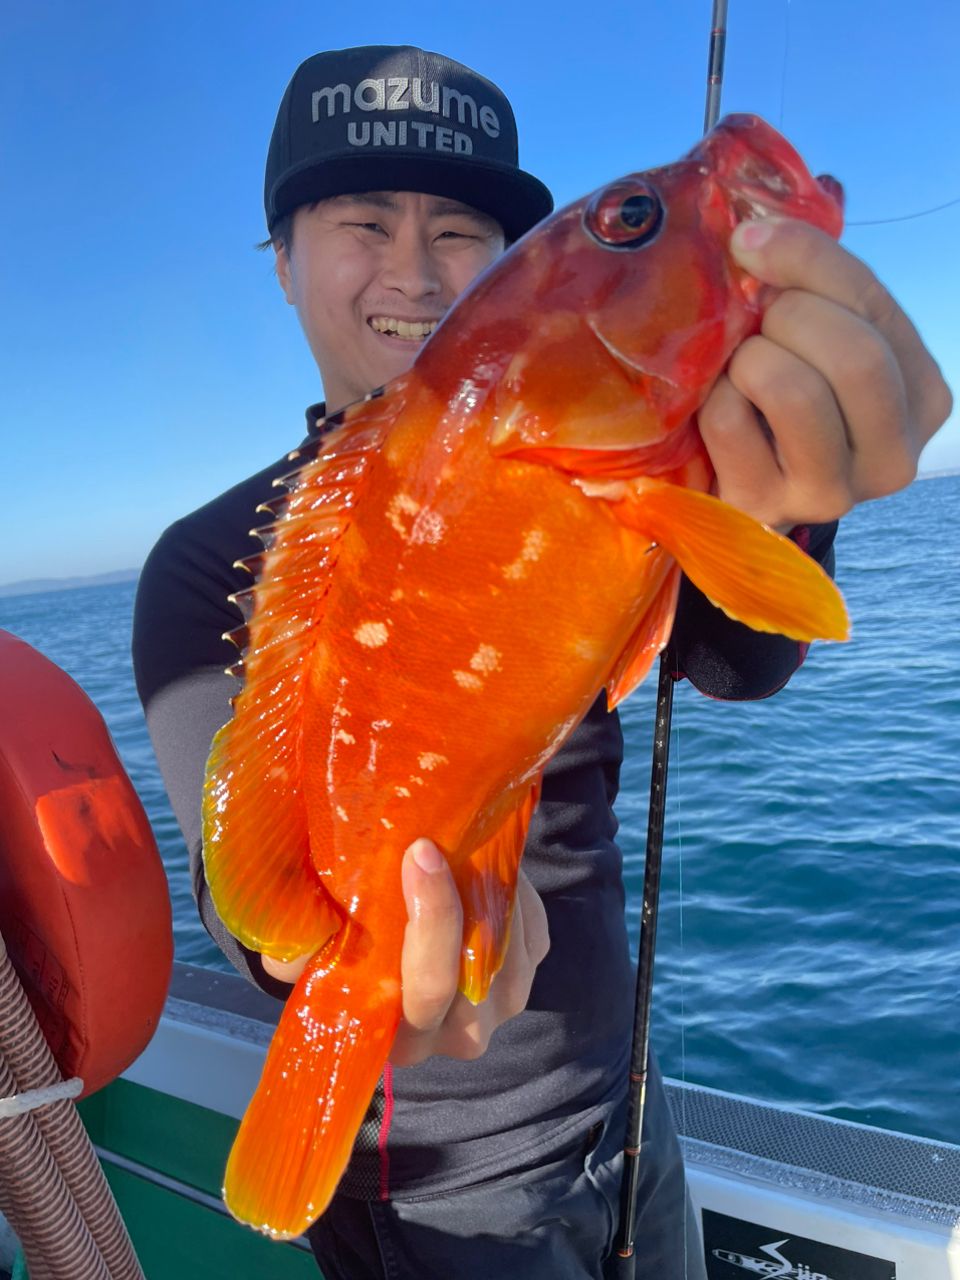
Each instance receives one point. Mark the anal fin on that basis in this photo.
(487, 881)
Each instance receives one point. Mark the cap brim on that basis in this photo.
(515, 198)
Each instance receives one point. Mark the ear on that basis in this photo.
(284, 269)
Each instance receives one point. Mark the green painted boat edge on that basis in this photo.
(176, 1138)
(164, 1159)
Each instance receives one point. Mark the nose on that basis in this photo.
(409, 265)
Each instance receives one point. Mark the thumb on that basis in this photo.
(430, 965)
(285, 970)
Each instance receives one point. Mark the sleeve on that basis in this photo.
(179, 657)
(725, 659)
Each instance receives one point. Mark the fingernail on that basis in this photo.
(427, 856)
(753, 235)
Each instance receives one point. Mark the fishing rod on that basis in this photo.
(640, 1047)
(718, 47)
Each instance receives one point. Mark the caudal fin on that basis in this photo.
(321, 1070)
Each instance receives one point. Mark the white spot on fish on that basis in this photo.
(401, 504)
(610, 490)
(429, 760)
(338, 710)
(429, 526)
(371, 634)
(342, 813)
(534, 541)
(343, 736)
(586, 648)
(418, 781)
(511, 377)
(375, 728)
(387, 823)
(466, 680)
(486, 659)
(389, 988)
(401, 791)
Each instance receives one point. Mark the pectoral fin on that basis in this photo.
(754, 575)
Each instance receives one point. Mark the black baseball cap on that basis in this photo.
(398, 118)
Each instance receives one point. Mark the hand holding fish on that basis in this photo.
(846, 392)
(437, 1017)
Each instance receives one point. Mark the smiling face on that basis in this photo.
(372, 275)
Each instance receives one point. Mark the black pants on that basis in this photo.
(554, 1221)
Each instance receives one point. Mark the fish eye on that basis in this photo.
(625, 215)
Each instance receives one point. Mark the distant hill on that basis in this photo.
(32, 586)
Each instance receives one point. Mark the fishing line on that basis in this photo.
(906, 217)
(865, 222)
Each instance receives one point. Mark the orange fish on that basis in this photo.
(455, 572)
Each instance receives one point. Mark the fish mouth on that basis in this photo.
(764, 176)
(750, 202)
(411, 331)
(633, 367)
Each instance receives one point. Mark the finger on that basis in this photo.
(795, 255)
(466, 1033)
(742, 453)
(862, 380)
(533, 920)
(807, 433)
(465, 1030)
(285, 970)
(430, 961)
(528, 945)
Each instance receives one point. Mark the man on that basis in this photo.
(392, 181)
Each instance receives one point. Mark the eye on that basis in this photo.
(625, 215)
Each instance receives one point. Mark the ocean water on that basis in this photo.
(809, 938)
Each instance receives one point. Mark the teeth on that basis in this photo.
(414, 329)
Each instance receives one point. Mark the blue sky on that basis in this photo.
(147, 360)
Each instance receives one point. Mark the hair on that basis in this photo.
(282, 233)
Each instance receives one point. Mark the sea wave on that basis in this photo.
(808, 936)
